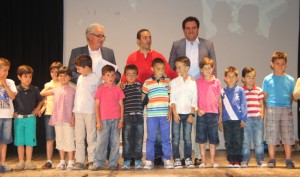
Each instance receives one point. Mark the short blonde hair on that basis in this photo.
(4, 62)
(231, 69)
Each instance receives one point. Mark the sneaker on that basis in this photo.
(215, 165)
(177, 163)
(148, 165)
(202, 165)
(197, 162)
(168, 164)
(61, 166)
(47, 165)
(87, 166)
(261, 164)
(244, 164)
(138, 164)
(290, 165)
(237, 165)
(20, 166)
(78, 166)
(126, 165)
(29, 165)
(271, 163)
(70, 166)
(189, 163)
(6, 168)
(230, 165)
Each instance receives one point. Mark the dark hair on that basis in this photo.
(55, 65)
(24, 69)
(64, 70)
(231, 69)
(185, 60)
(190, 19)
(206, 61)
(279, 55)
(83, 60)
(156, 61)
(138, 34)
(131, 67)
(4, 62)
(107, 69)
(247, 70)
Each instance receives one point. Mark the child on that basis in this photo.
(133, 131)
(8, 92)
(208, 118)
(109, 115)
(62, 117)
(255, 122)
(47, 108)
(183, 100)
(234, 117)
(85, 120)
(27, 105)
(278, 90)
(157, 90)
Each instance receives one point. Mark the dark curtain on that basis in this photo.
(31, 33)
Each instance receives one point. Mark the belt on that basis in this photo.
(24, 116)
(134, 113)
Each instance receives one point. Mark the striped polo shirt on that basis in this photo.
(133, 99)
(253, 97)
(157, 91)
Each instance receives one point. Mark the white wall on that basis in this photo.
(243, 35)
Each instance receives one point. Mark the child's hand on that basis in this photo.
(15, 114)
(176, 118)
(35, 111)
(99, 126)
(220, 125)
(190, 119)
(243, 124)
(72, 121)
(169, 117)
(200, 112)
(120, 125)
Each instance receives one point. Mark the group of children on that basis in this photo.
(93, 113)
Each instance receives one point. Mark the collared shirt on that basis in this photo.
(192, 52)
(63, 104)
(50, 99)
(183, 94)
(253, 98)
(27, 99)
(96, 57)
(6, 104)
(109, 97)
(158, 93)
(85, 92)
(208, 93)
(133, 98)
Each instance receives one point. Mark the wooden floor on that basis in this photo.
(280, 171)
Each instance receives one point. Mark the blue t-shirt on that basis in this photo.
(279, 89)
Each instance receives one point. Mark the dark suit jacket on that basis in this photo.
(107, 54)
(206, 49)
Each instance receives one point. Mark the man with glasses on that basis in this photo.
(95, 38)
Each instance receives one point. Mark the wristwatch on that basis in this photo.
(192, 114)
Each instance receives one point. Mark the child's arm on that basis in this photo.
(37, 109)
(72, 121)
(262, 107)
(42, 110)
(122, 114)
(47, 91)
(97, 113)
(175, 114)
(220, 125)
(10, 93)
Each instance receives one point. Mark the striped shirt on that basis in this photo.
(158, 94)
(133, 99)
(253, 98)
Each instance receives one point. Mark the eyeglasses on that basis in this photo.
(102, 36)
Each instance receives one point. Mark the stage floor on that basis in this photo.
(252, 171)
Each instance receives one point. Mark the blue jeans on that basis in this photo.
(187, 130)
(207, 128)
(152, 124)
(133, 133)
(50, 130)
(233, 134)
(6, 131)
(109, 134)
(254, 129)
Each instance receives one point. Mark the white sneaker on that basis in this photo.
(61, 166)
(70, 166)
(202, 165)
(230, 165)
(177, 163)
(168, 164)
(244, 164)
(261, 164)
(148, 165)
(236, 165)
(189, 163)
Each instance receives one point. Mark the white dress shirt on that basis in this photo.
(192, 52)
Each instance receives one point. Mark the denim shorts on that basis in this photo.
(50, 130)
(25, 131)
(5, 131)
(207, 129)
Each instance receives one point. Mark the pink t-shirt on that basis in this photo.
(208, 92)
(63, 104)
(109, 97)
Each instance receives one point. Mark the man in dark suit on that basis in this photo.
(95, 38)
(195, 48)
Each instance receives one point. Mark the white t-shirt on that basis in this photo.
(6, 105)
